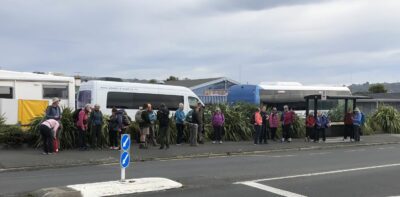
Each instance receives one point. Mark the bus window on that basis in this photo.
(193, 102)
(6, 92)
(51, 91)
(84, 97)
(128, 100)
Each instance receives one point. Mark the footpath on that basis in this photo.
(31, 159)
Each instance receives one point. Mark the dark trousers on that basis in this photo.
(273, 133)
(320, 133)
(152, 136)
(310, 132)
(82, 138)
(179, 136)
(164, 134)
(287, 132)
(264, 134)
(47, 138)
(113, 137)
(357, 130)
(96, 136)
(348, 131)
(257, 133)
(217, 133)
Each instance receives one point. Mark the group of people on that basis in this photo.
(266, 125)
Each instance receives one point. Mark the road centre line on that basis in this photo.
(324, 173)
(271, 189)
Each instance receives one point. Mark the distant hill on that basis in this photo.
(391, 87)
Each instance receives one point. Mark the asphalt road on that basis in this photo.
(361, 171)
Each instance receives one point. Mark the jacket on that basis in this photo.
(82, 120)
(145, 119)
(180, 116)
(310, 122)
(322, 122)
(195, 117)
(163, 117)
(357, 119)
(274, 120)
(96, 118)
(53, 112)
(258, 119)
(152, 117)
(288, 118)
(218, 119)
(53, 125)
(348, 119)
(115, 123)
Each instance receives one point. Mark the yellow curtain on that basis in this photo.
(29, 109)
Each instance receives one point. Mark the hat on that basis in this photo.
(55, 99)
(357, 109)
(217, 109)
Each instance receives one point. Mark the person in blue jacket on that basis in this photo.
(180, 122)
(357, 122)
(322, 123)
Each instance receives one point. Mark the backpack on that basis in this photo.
(189, 116)
(253, 119)
(138, 117)
(126, 120)
(362, 119)
(75, 115)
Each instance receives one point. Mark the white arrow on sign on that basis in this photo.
(126, 157)
(126, 141)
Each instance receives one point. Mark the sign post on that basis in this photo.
(324, 96)
(125, 157)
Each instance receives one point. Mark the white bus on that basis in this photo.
(130, 96)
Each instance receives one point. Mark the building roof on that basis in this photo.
(197, 83)
(381, 95)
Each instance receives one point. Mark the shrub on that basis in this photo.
(387, 119)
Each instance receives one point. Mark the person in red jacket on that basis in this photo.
(82, 125)
(310, 125)
(348, 125)
(257, 126)
(287, 121)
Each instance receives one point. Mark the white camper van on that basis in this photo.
(16, 86)
(130, 96)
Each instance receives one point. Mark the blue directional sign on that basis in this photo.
(125, 159)
(125, 142)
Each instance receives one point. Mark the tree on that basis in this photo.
(153, 81)
(172, 78)
(377, 88)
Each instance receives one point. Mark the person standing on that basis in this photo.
(83, 126)
(163, 119)
(114, 127)
(179, 120)
(193, 119)
(54, 111)
(153, 119)
(287, 121)
(96, 121)
(257, 126)
(348, 126)
(321, 124)
(273, 122)
(200, 126)
(144, 126)
(264, 130)
(310, 127)
(48, 130)
(218, 121)
(357, 122)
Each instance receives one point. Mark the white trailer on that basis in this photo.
(16, 86)
(130, 96)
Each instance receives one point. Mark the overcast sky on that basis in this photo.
(309, 41)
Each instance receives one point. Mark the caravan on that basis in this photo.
(130, 96)
(21, 91)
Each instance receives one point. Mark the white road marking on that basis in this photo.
(323, 153)
(271, 189)
(131, 186)
(326, 173)
(280, 156)
(385, 148)
(354, 150)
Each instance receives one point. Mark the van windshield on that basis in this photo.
(84, 97)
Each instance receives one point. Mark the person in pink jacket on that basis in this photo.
(48, 130)
(82, 125)
(273, 123)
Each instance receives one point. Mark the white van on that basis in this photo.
(130, 96)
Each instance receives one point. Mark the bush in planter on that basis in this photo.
(387, 119)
